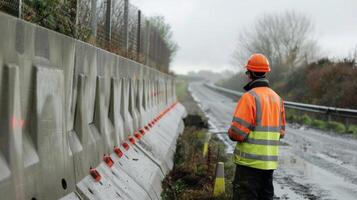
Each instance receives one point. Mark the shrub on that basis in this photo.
(319, 124)
(306, 120)
(352, 129)
(336, 126)
(295, 118)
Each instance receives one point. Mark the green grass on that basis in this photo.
(352, 129)
(319, 124)
(193, 175)
(305, 119)
(181, 89)
(338, 127)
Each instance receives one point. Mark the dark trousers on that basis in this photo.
(253, 184)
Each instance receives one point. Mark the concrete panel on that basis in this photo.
(124, 108)
(65, 103)
(143, 170)
(114, 111)
(11, 136)
(134, 113)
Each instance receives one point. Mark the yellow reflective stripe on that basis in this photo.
(258, 149)
(266, 165)
(264, 135)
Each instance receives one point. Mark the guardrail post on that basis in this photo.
(347, 124)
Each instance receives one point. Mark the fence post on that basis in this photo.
(138, 46)
(125, 28)
(148, 43)
(94, 17)
(20, 10)
(108, 26)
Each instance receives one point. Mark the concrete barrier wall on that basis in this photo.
(64, 104)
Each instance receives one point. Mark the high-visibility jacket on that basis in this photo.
(257, 126)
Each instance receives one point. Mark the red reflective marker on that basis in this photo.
(126, 146)
(132, 140)
(95, 174)
(16, 123)
(118, 152)
(138, 136)
(108, 160)
(142, 131)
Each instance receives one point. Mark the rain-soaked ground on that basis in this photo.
(313, 164)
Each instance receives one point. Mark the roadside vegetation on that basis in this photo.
(181, 89)
(294, 116)
(300, 71)
(193, 175)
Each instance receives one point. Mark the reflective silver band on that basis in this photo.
(238, 132)
(256, 157)
(243, 122)
(267, 128)
(257, 107)
(263, 142)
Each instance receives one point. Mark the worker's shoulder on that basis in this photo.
(263, 91)
(247, 94)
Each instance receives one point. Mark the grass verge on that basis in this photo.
(307, 120)
(193, 175)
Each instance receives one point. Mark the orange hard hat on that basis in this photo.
(258, 63)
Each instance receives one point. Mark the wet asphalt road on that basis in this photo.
(313, 164)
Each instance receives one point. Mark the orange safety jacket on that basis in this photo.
(257, 126)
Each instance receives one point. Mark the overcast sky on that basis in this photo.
(207, 30)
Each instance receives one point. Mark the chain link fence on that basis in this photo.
(114, 25)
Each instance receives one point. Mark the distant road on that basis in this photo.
(313, 164)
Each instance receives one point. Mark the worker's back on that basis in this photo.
(260, 119)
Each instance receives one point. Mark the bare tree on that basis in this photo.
(286, 39)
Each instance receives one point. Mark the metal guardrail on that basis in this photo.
(340, 112)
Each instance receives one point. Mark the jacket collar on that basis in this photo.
(261, 82)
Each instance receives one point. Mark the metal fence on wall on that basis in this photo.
(114, 25)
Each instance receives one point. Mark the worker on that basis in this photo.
(257, 126)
